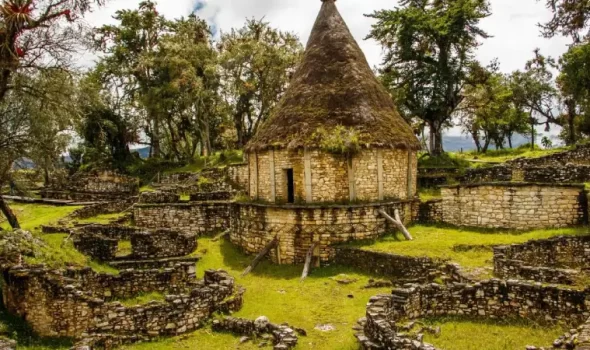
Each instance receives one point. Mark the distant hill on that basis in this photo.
(465, 143)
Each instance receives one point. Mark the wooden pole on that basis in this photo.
(397, 222)
(260, 256)
(308, 258)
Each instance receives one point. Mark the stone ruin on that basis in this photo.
(82, 304)
(100, 242)
(98, 186)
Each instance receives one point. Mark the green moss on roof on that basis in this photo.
(333, 88)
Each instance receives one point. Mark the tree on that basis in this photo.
(574, 86)
(570, 18)
(429, 49)
(489, 112)
(256, 64)
(128, 48)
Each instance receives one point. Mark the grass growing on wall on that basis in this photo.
(32, 216)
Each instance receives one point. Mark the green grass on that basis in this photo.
(124, 248)
(466, 334)
(507, 154)
(32, 216)
(439, 242)
(427, 194)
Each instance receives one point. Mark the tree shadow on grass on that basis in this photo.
(14, 327)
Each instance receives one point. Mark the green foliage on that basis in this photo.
(570, 18)
(143, 299)
(429, 52)
(340, 140)
(445, 160)
(256, 62)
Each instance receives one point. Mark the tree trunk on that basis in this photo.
(12, 219)
(436, 145)
(509, 137)
(571, 120)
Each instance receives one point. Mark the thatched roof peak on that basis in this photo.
(334, 92)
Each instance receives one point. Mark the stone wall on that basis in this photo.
(498, 173)
(194, 217)
(54, 307)
(101, 242)
(239, 174)
(570, 173)
(95, 186)
(430, 211)
(391, 265)
(159, 197)
(162, 243)
(554, 260)
(371, 175)
(283, 336)
(104, 208)
(487, 299)
(520, 206)
(253, 226)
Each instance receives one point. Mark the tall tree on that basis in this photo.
(429, 47)
(128, 48)
(257, 62)
(570, 18)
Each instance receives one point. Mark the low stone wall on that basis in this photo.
(211, 196)
(53, 307)
(159, 197)
(430, 211)
(390, 265)
(554, 260)
(570, 173)
(194, 217)
(162, 243)
(104, 208)
(101, 242)
(487, 299)
(283, 336)
(498, 173)
(297, 227)
(520, 206)
(94, 186)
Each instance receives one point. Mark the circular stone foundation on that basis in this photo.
(298, 227)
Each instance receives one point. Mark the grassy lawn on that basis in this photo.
(101, 219)
(467, 334)
(32, 216)
(427, 194)
(449, 243)
(507, 154)
(276, 292)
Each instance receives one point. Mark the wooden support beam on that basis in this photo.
(308, 259)
(397, 222)
(221, 235)
(260, 256)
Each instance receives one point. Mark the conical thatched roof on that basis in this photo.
(334, 89)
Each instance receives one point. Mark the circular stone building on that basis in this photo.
(334, 153)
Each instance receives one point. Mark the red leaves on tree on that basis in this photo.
(68, 15)
(20, 52)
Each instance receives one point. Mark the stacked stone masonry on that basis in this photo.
(371, 175)
(101, 242)
(297, 228)
(96, 186)
(57, 305)
(430, 211)
(569, 173)
(556, 260)
(520, 206)
(193, 217)
(487, 299)
(283, 336)
(104, 208)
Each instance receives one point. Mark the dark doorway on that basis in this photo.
(290, 186)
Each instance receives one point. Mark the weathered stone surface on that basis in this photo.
(95, 186)
(75, 303)
(298, 227)
(555, 260)
(284, 336)
(518, 206)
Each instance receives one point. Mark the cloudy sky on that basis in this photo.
(513, 23)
